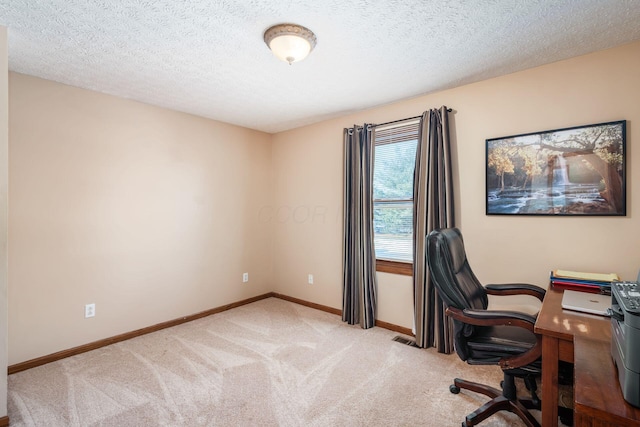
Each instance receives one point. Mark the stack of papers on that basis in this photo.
(599, 283)
(598, 277)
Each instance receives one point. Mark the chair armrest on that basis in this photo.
(516, 289)
(493, 318)
(502, 318)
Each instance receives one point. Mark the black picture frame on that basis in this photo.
(571, 171)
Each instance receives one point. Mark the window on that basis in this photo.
(395, 156)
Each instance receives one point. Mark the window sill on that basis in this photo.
(394, 267)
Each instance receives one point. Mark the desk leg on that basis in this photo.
(550, 356)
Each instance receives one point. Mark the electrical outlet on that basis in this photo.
(89, 310)
(245, 277)
(311, 279)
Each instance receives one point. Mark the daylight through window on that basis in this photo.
(395, 156)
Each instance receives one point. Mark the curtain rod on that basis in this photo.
(396, 121)
(401, 120)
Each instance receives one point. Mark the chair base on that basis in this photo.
(498, 402)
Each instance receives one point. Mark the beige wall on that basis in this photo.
(148, 213)
(595, 88)
(4, 141)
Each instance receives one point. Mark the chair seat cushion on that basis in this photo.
(489, 344)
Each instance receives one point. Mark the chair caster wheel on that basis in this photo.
(454, 389)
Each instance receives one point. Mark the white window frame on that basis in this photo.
(392, 133)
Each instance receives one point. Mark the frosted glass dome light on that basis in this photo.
(289, 42)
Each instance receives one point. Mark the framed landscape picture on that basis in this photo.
(571, 171)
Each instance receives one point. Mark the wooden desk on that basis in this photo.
(584, 340)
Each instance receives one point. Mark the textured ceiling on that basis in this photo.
(207, 57)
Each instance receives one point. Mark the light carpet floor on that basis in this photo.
(269, 363)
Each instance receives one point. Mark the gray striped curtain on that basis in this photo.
(359, 266)
(433, 208)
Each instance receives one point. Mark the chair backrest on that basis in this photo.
(451, 273)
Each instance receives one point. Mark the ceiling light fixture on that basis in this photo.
(290, 42)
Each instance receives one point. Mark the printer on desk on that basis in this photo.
(625, 337)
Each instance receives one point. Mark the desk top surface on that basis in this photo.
(555, 321)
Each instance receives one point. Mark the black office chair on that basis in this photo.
(485, 337)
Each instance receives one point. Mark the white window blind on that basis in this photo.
(395, 154)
